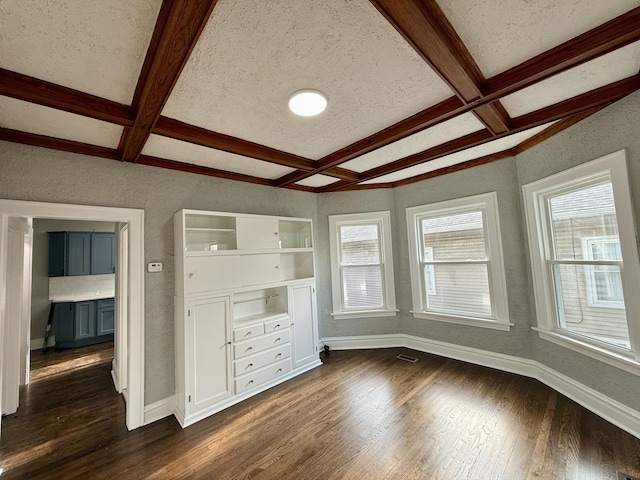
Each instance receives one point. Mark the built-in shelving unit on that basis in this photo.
(245, 307)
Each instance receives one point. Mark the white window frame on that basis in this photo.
(383, 221)
(612, 167)
(592, 295)
(488, 204)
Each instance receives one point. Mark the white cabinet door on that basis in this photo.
(204, 274)
(303, 319)
(209, 325)
(256, 233)
(260, 268)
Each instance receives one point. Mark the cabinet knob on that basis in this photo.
(275, 233)
(228, 343)
(190, 275)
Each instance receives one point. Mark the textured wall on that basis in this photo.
(40, 269)
(612, 129)
(500, 177)
(29, 173)
(342, 203)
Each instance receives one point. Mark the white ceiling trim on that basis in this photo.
(33, 118)
(460, 157)
(185, 152)
(419, 142)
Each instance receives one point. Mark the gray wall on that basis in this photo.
(40, 265)
(612, 129)
(30, 173)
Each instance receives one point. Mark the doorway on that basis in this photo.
(129, 357)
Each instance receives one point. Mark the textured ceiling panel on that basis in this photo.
(460, 157)
(32, 118)
(317, 181)
(620, 64)
(253, 55)
(185, 152)
(450, 130)
(95, 46)
(503, 33)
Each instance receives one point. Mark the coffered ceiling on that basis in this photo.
(416, 88)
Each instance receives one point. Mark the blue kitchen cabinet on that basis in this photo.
(81, 253)
(77, 324)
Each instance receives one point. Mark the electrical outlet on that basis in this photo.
(154, 267)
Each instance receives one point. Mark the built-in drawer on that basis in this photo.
(247, 332)
(254, 362)
(257, 378)
(275, 325)
(258, 344)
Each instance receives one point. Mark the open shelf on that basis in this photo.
(260, 305)
(209, 233)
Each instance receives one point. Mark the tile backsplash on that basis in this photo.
(81, 287)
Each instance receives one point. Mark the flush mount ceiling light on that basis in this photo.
(307, 103)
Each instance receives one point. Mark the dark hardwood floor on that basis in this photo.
(362, 415)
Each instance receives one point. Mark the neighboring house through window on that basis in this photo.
(585, 260)
(362, 265)
(457, 272)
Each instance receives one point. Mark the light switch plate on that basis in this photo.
(154, 267)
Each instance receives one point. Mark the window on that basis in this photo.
(585, 260)
(457, 272)
(362, 265)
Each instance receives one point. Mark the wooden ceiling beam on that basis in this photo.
(588, 101)
(595, 98)
(425, 27)
(30, 89)
(177, 130)
(511, 152)
(43, 141)
(175, 36)
(201, 170)
(617, 33)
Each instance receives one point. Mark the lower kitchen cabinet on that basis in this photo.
(77, 324)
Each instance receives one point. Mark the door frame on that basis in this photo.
(135, 331)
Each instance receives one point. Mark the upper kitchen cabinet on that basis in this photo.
(81, 253)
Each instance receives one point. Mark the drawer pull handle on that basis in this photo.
(248, 348)
(278, 355)
(277, 326)
(250, 365)
(250, 382)
(247, 334)
(278, 339)
(279, 370)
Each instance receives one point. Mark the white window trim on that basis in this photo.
(592, 299)
(488, 203)
(611, 167)
(383, 219)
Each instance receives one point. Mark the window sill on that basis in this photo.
(365, 314)
(615, 359)
(469, 321)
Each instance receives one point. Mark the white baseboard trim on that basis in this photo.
(160, 409)
(611, 410)
(36, 343)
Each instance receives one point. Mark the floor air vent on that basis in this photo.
(407, 358)
(624, 476)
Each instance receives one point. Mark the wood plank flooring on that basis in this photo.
(362, 415)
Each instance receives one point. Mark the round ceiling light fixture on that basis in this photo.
(307, 103)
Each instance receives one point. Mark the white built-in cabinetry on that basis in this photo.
(245, 307)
